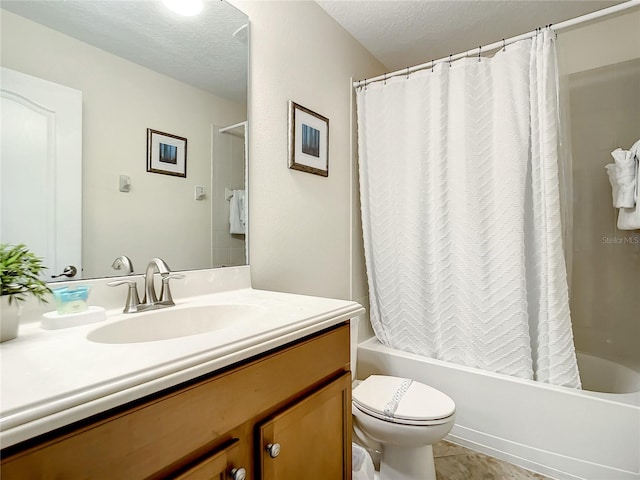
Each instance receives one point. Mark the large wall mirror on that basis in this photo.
(153, 159)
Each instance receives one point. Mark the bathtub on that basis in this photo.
(556, 431)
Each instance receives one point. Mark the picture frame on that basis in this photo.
(166, 153)
(308, 140)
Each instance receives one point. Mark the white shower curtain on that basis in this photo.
(460, 212)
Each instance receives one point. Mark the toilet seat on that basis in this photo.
(403, 401)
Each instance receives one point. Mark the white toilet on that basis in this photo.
(405, 418)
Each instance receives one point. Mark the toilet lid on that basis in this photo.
(402, 400)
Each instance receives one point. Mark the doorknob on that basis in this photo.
(69, 271)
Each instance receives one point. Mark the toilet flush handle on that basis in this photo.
(273, 449)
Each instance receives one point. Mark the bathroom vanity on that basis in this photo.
(298, 397)
(269, 400)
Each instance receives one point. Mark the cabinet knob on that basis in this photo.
(273, 449)
(238, 474)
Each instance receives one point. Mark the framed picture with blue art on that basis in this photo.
(166, 153)
(308, 140)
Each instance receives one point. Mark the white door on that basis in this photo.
(41, 169)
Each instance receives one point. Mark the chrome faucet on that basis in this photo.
(123, 262)
(159, 265)
(150, 300)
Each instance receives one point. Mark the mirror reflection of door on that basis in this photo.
(40, 169)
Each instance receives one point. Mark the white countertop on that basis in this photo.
(50, 378)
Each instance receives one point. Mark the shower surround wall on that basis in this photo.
(604, 90)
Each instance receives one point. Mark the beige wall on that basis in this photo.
(603, 61)
(301, 224)
(120, 101)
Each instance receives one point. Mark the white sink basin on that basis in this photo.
(174, 322)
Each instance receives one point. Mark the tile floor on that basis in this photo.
(454, 462)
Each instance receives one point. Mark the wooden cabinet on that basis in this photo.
(298, 396)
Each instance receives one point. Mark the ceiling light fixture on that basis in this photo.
(188, 8)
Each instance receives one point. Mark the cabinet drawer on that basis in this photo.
(166, 433)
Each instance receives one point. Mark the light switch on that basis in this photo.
(199, 192)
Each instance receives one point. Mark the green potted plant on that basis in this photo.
(19, 277)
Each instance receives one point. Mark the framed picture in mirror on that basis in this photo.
(166, 153)
(308, 140)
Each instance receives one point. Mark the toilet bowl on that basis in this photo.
(405, 418)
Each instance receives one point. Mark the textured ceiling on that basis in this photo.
(201, 51)
(402, 33)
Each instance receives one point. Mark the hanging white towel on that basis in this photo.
(629, 218)
(626, 175)
(237, 220)
(611, 172)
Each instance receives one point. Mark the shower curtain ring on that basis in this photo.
(551, 30)
(407, 72)
(479, 52)
(450, 60)
(504, 45)
(385, 79)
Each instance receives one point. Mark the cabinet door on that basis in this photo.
(310, 439)
(215, 466)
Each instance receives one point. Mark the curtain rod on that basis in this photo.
(503, 43)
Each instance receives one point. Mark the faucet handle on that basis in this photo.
(133, 300)
(165, 292)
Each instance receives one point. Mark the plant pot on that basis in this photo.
(9, 318)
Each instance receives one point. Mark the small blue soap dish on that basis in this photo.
(55, 321)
